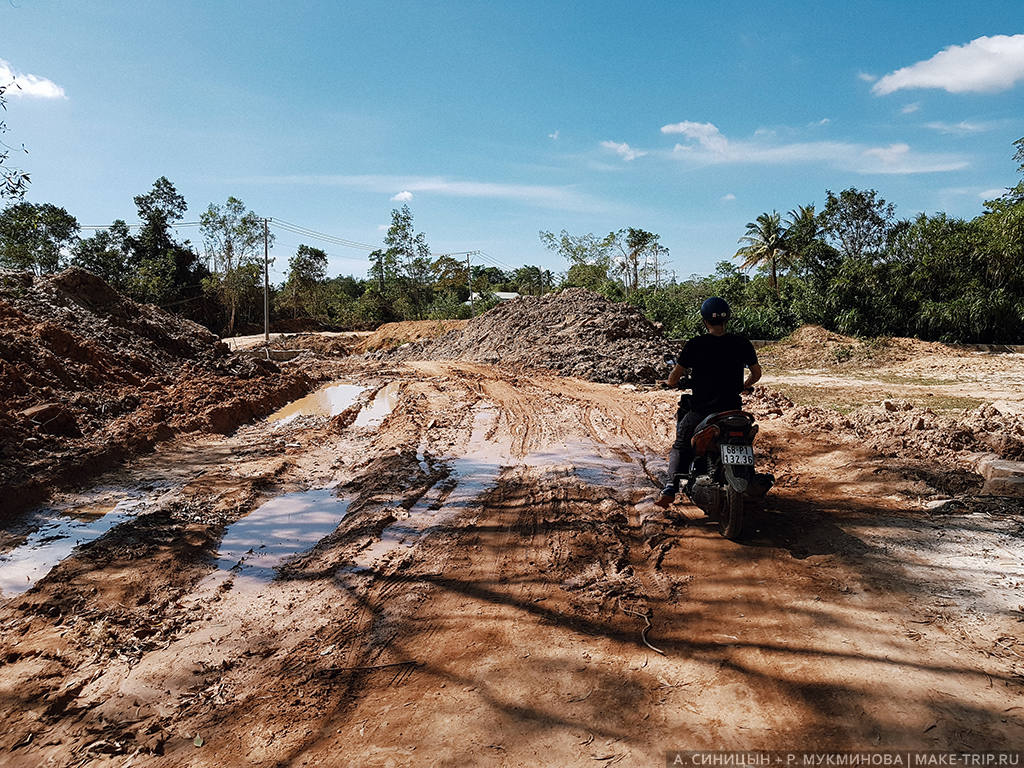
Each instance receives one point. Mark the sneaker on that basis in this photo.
(668, 495)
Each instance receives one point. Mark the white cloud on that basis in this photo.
(963, 128)
(728, 197)
(706, 135)
(553, 136)
(911, 108)
(708, 146)
(623, 150)
(382, 227)
(866, 77)
(992, 194)
(819, 123)
(984, 65)
(402, 197)
(28, 86)
(531, 194)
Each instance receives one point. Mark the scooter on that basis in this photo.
(722, 480)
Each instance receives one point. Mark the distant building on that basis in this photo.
(502, 296)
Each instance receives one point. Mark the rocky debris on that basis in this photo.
(88, 377)
(899, 428)
(1002, 477)
(574, 332)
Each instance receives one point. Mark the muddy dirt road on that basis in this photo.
(443, 563)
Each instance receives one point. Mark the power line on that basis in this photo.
(307, 232)
(140, 226)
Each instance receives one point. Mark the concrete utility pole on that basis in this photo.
(266, 284)
(469, 284)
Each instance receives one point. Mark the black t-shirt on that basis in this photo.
(716, 366)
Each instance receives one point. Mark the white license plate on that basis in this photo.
(737, 454)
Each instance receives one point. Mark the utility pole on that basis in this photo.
(469, 284)
(266, 284)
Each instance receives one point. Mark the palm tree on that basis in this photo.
(765, 244)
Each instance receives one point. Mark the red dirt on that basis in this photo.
(88, 377)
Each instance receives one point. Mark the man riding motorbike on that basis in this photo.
(715, 362)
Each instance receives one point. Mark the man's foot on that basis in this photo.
(668, 495)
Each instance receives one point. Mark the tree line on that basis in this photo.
(852, 267)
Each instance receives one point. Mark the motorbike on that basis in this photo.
(722, 480)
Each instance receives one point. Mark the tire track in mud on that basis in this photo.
(500, 636)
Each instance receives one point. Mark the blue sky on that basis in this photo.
(496, 120)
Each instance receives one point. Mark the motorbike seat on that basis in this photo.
(712, 418)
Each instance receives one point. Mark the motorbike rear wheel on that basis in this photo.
(730, 520)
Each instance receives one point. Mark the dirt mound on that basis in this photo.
(87, 377)
(575, 332)
(319, 343)
(391, 335)
(811, 346)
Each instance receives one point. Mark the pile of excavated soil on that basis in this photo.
(575, 333)
(901, 429)
(811, 346)
(88, 377)
(391, 335)
(318, 343)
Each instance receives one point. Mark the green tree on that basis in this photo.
(13, 181)
(765, 246)
(166, 272)
(858, 220)
(233, 239)
(635, 248)
(803, 229)
(587, 249)
(451, 277)
(409, 249)
(34, 236)
(304, 289)
(108, 253)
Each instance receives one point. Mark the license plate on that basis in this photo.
(737, 454)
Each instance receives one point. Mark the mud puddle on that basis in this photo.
(56, 533)
(261, 542)
(380, 407)
(327, 401)
(470, 476)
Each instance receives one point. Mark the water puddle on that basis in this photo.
(327, 401)
(265, 539)
(380, 407)
(56, 535)
(472, 475)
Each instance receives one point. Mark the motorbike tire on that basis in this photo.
(730, 521)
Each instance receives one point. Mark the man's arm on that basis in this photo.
(752, 378)
(677, 373)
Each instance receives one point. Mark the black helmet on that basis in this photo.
(715, 310)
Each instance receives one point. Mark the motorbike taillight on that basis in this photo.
(703, 440)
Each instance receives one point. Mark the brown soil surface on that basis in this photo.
(391, 335)
(574, 332)
(500, 589)
(88, 377)
(812, 346)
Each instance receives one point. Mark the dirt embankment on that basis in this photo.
(391, 335)
(811, 346)
(574, 332)
(88, 377)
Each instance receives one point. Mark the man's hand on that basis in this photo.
(677, 373)
(753, 377)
